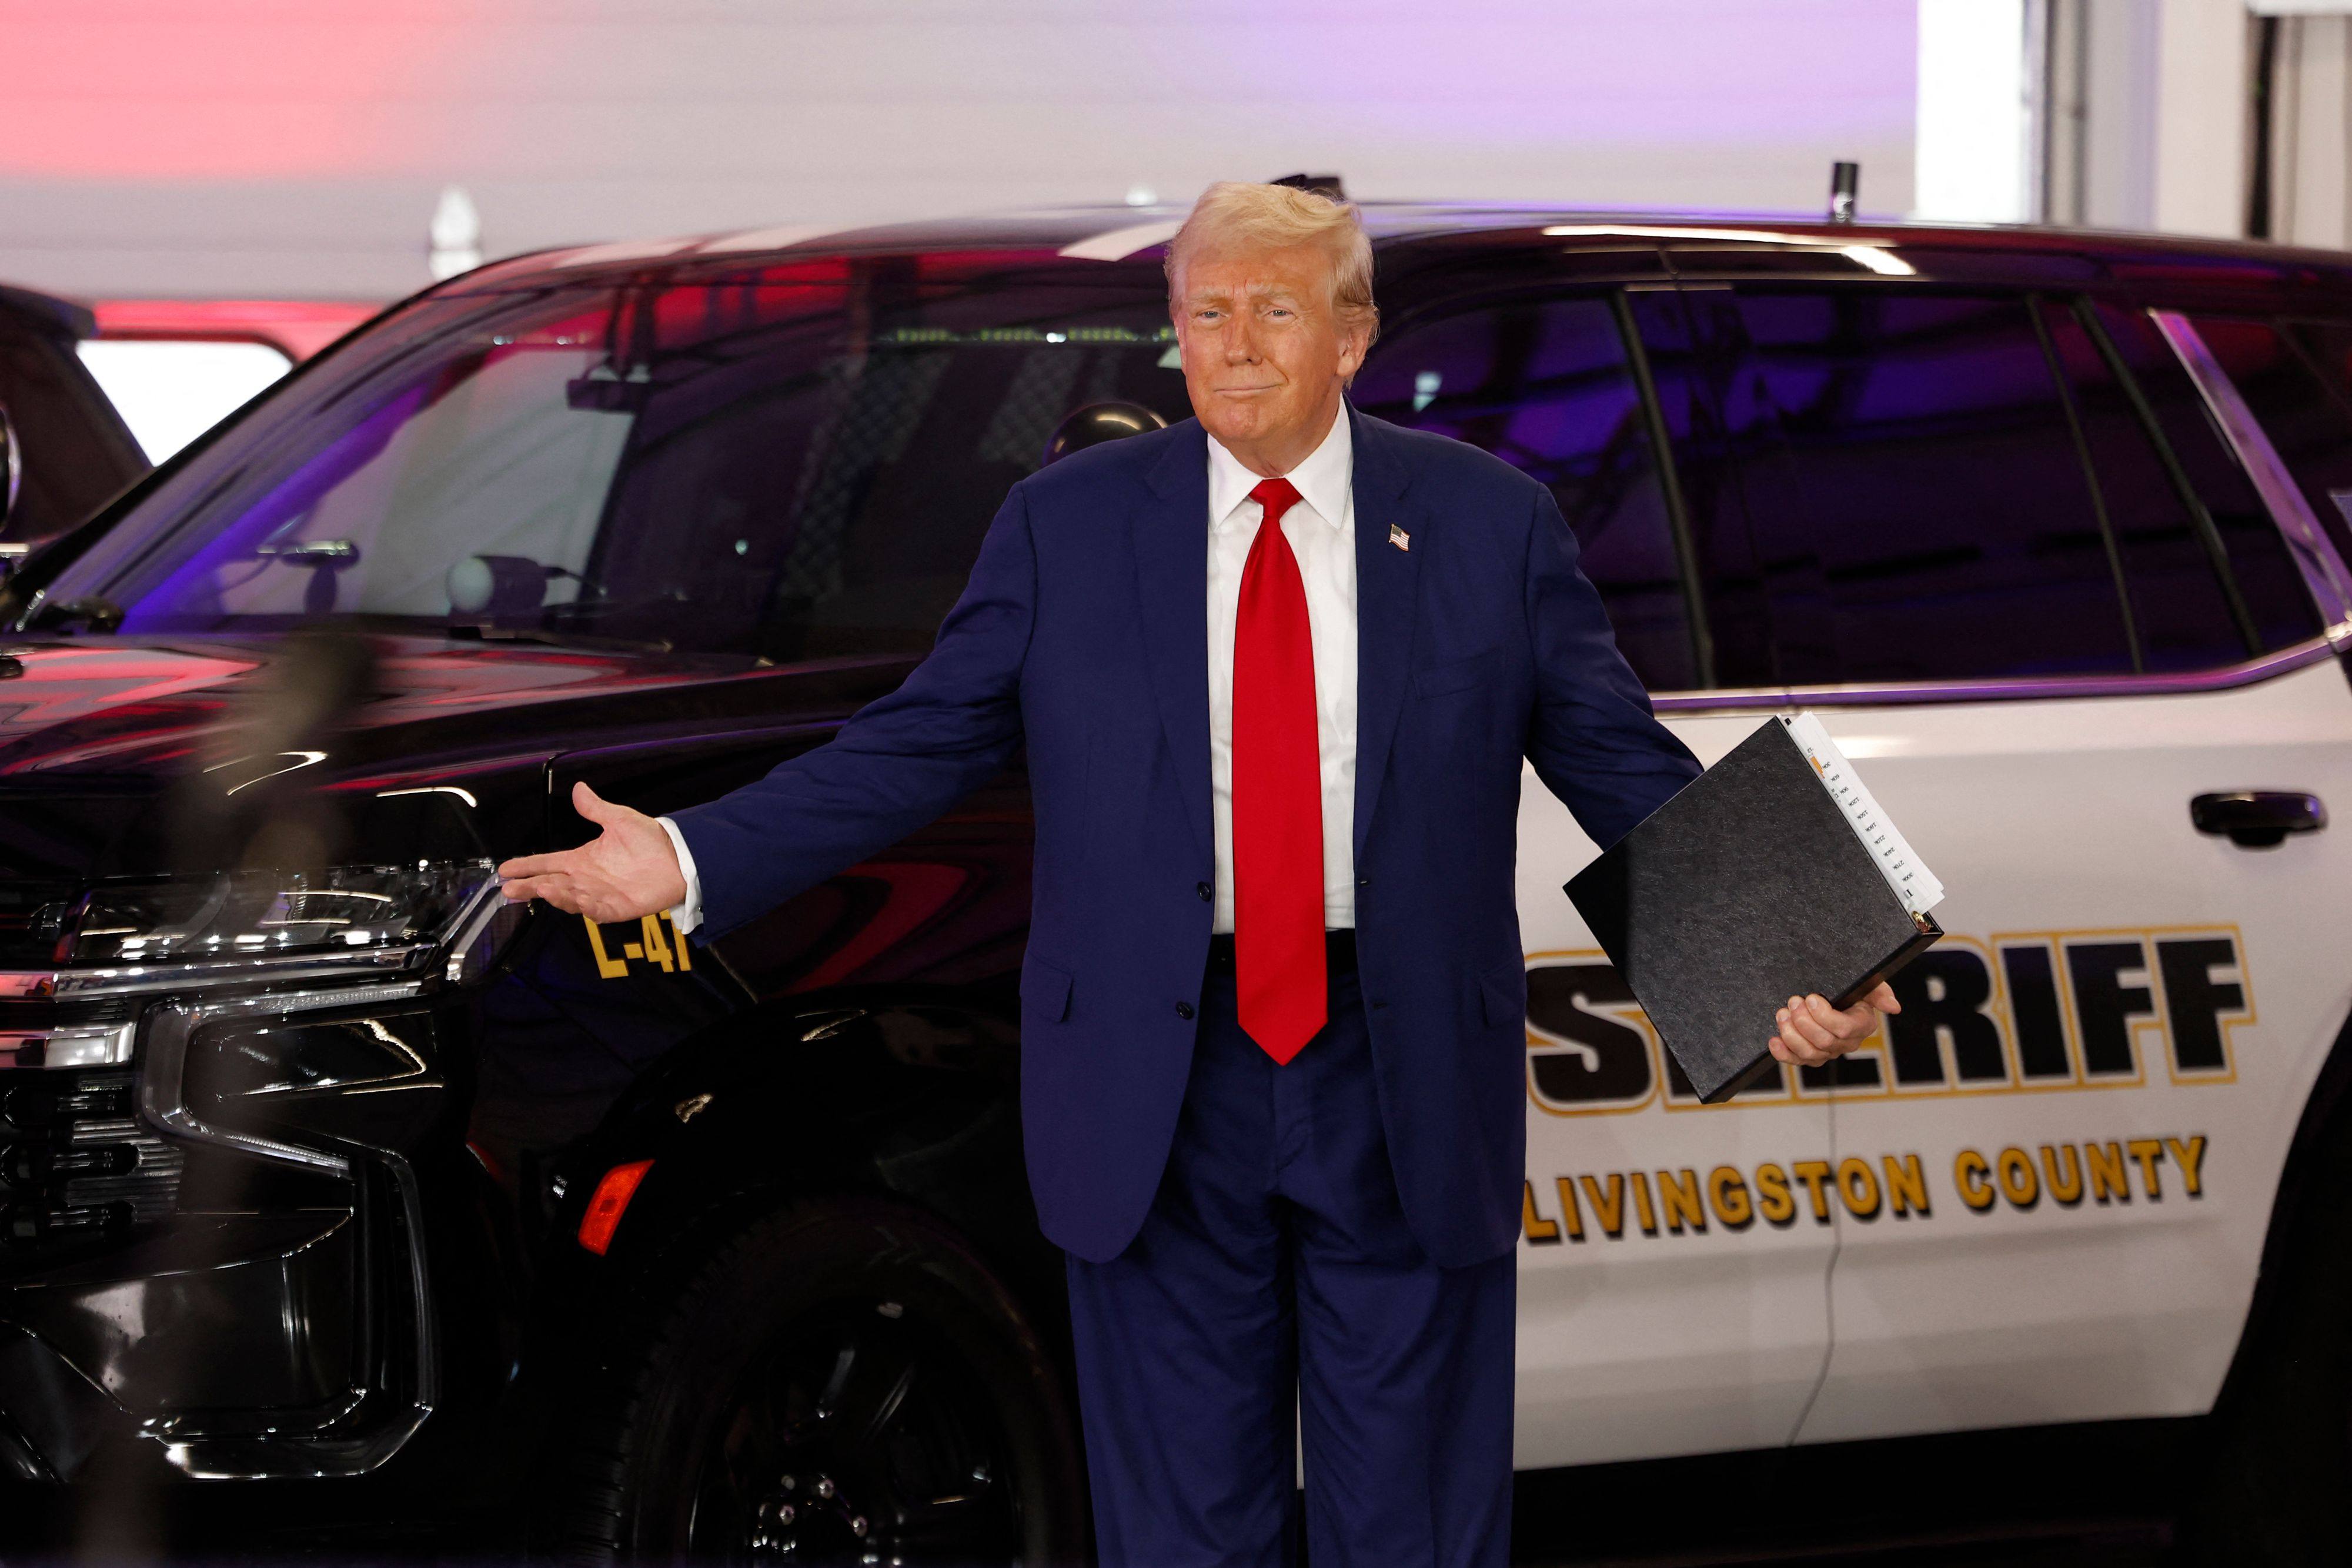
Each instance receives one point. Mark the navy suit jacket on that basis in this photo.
(1083, 633)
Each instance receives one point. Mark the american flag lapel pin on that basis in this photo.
(1399, 538)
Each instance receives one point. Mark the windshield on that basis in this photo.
(791, 469)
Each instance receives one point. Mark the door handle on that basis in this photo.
(2258, 819)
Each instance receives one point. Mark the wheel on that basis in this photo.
(845, 1383)
(2274, 1481)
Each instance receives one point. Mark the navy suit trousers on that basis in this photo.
(1276, 1288)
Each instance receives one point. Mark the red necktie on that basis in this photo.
(1278, 960)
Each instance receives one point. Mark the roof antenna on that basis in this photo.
(1845, 179)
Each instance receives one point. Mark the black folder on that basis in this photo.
(1753, 885)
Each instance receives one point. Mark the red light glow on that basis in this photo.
(298, 328)
(610, 1201)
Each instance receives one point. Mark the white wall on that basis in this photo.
(2312, 129)
(2149, 114)
(2202, 120)
(2123, 40)
(295, 148)
(1971, 157)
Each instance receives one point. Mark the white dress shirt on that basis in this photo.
(688, 913)
(1321, 528)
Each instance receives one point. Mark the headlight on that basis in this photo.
(266, 914)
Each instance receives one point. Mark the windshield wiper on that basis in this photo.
(463, 632)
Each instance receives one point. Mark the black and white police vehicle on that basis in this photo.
(320, 1170)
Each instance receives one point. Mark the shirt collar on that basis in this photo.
(1323, 480)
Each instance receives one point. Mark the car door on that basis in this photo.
(2036, 598)
(1673, 1256)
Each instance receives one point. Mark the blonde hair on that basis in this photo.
(1280, 217)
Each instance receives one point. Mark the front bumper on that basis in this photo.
(217, 1247)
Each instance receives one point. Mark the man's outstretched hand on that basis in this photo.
(627, 871)
(1810, 1031)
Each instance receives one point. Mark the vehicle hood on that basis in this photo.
(117, 708)
(103, 739)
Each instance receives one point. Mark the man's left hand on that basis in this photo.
(1810, 1031)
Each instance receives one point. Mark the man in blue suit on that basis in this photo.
(1273, 1005)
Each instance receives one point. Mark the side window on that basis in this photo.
(840, 508)
(2180, 616)
(2193, 617)
(1546, 386)
(2296, 381)
(1732, 586)
(1902, 467)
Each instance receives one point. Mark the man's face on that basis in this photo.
(1264, 355)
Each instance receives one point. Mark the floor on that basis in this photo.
(2083, 1497)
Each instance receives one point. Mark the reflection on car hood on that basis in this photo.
(139, 708)
(96, 733)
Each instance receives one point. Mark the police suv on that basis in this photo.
(322, 1166)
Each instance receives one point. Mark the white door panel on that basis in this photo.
(1673, 1300)
(2127, 1020)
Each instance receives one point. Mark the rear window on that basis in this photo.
(1902, 468)
(1889, 484)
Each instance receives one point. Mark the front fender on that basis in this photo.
(905, 1091)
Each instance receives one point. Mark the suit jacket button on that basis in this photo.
(1183, 1009)
(1207, 892)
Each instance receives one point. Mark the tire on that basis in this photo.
(837, 1384)
(2275, 1482)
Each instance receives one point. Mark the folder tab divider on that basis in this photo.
(1905, 872)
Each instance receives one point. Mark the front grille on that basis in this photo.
(74, 1162)
(43, 1012)
(32, 917)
